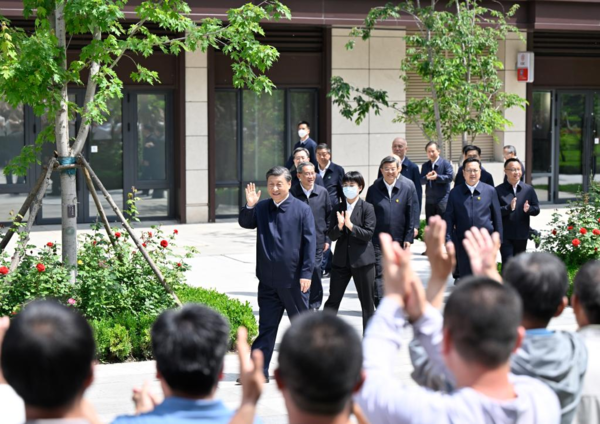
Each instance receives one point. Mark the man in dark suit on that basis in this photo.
(518, 201)
(437, 175)
(471, 204)
(394, 199)
(317, 198)
(510, 152)
(300, 155)
(332, 175)
(471, 151)
(305, 142)
(285, 255)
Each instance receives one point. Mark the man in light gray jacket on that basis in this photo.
(586, 305)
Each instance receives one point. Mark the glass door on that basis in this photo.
(572, 134)
(595, 142)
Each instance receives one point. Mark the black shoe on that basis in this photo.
(456, 281)
(239, 382)
(424, 253)
(326, 275)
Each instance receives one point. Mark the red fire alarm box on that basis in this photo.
(525, 66)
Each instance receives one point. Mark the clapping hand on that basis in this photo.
(482, 249)
(340, 218)
(252, 197)
(526, 206)
(513, 204)
(347, 222)
(442, 258)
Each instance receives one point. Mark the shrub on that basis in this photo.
(422, 225)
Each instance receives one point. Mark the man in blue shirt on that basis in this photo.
(189, 346)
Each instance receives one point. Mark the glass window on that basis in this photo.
(542, 131)
(156, 204)
(226, 135)
(152, 148)
(302, 108)
(227, 201)
(12, 139)
(542, 187)
(263, 133)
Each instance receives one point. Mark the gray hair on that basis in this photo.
(301, 149)
(511, 149)
(324, 146)
(389, 159)
(278, 171)
(304, 165)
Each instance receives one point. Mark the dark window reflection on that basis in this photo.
(151, 137)
(226, 135)
(12, 139)
(542, 131)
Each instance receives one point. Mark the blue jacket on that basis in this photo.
(516, 223)
(410, 170)
(465, 210)
(285, 241)
(437, 191)
(333, 183)
(486, 177)
(296, 180)
(395, 215)
(311, 146)
(321, 209)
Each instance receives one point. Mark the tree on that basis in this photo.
(34, 68)
(455, 53)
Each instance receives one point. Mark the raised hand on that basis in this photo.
(482, 249)
(252, 197)
(347, 222)
(442, 259)
(252, 375)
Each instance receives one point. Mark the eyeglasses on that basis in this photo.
(514, 170)
(308, 174)
(472, 171)
(390, 170)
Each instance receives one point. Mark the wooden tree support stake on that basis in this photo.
(35, 207)
(92, 189)
(135, 239)
(11, 231)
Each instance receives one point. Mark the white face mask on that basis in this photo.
(302, 133)
(350, 192)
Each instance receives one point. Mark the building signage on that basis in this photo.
(525, 66)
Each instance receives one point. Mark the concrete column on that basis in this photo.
(196, 136)
(374, 63)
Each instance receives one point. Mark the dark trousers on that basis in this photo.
(463, 264)
(510, 248)
(433, 209)
(326, 262)
(378, 283)
(364, 278)
(316, 288)
(272, 301)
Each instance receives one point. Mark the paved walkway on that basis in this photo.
(226, 262)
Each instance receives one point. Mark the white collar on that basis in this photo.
(279, 204)
(472, 188)
(325, 169)
(436, 161)
(307, 192)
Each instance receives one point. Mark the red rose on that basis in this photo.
(553, 232)
(598, 219)
(164, 243)
(596, 232)
(576, 242)
(175, 232)
(179, 264)
(94, 242)
(144, 244)
(583, 230)
(49, 244)
(117, 234)
(570, 227)
(3, 270)
(40, 267)
(149, 233)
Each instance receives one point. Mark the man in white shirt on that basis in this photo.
(586, 305)
(473, 341)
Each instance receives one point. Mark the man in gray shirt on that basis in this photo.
(473, 341)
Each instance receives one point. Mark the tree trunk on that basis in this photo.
(67, 177)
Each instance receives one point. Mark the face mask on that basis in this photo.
(350, 192)
(302, 133)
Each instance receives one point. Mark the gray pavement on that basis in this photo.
(226, 262)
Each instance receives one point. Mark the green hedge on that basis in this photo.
(126, 337)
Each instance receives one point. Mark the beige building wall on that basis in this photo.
(196, 137)
(373, 63)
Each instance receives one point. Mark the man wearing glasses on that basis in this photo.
(471, 204)
(518, 202)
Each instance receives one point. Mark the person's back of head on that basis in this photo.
(189, 345)
(482, 319)
(586, 290)
(47, 355)
(320, 363)
(542, 281)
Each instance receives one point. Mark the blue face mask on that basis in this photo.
(350, 192)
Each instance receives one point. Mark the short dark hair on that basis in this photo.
(586, 285)
(482, 317)
(470, 147)
(189, 345)
(513, 160)
(470, 160)
(47, 354)
(431, 143)
(320, 361)
(354, 177)
(389, 159)
(303, 122)
(301, 149)
(278, 171)
(324, 146)
(541, 280)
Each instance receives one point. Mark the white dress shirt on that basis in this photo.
(279, 204)
(322, 171)
(389, 187)
(350, 207)
(307, 192)
(472, 188)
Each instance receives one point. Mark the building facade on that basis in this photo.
(190, 145)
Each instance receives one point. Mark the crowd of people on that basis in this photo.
(486, 356)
